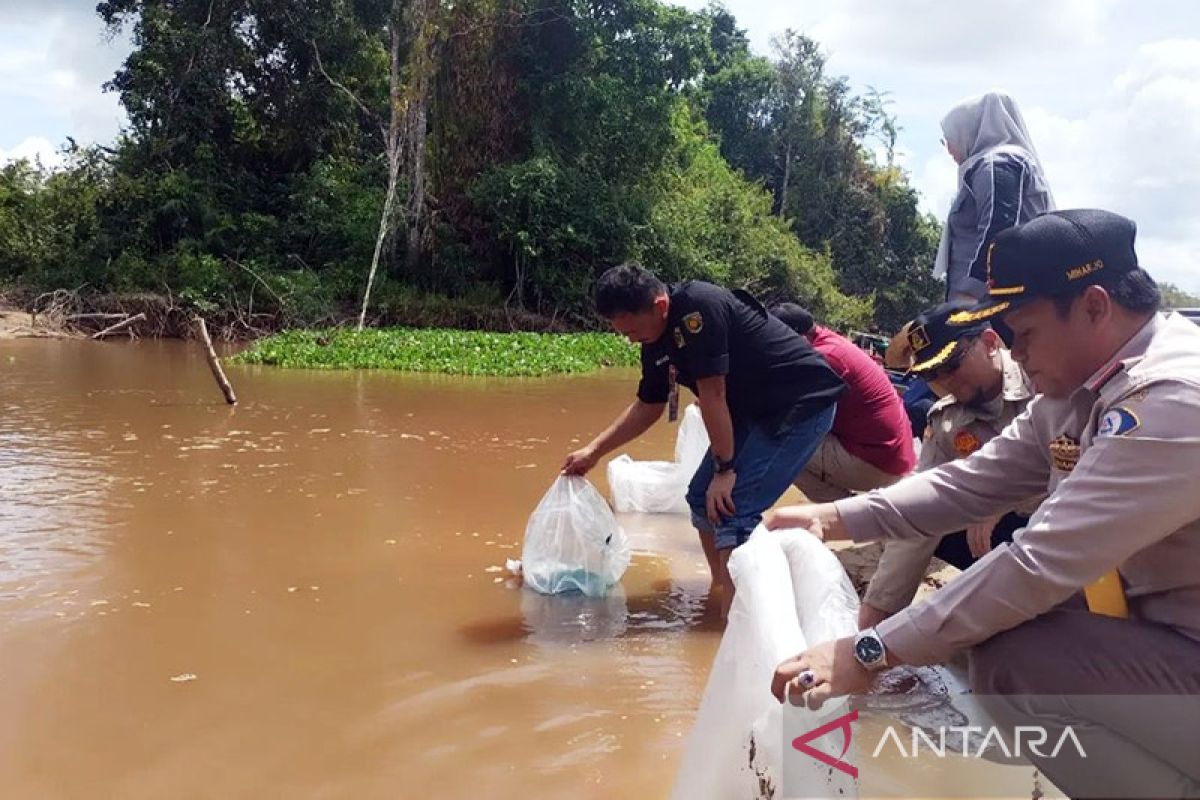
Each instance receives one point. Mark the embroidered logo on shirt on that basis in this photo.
(1064, 453)
(966, 443)
(693, 322)
(1118, 422)
(679, 341)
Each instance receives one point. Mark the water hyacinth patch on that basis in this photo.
(451, 352)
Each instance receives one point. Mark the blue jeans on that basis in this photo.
(767, 458)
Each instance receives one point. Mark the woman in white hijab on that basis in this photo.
(1000, 184)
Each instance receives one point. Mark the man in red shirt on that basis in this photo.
(871, 443)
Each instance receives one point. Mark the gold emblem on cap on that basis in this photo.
(1064, 453)
(918, 339)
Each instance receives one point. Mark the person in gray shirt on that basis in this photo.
(1001, 183)
(1090, 618)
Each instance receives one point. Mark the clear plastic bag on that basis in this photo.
(647, 487)
(660, 487)
(573, 542)
(791, 594)
(691, 443)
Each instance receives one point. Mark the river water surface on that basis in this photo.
(304, 595)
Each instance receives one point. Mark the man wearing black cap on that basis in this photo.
(982, 391)
(1114, 441)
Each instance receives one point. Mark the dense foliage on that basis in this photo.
(534, 143)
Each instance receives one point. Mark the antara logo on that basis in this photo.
(843, 723)
(1028, 740)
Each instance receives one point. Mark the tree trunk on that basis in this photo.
(392, 146)
(787, 176)
(384, 226)
(422, 61)
(408, 126)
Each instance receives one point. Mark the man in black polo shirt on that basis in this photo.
(767, 398)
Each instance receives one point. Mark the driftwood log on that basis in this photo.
(213, 362)
(111, 329)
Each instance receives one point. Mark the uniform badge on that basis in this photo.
(918, 338)
(966, 443)
(693, 322)
(1064, 453)
(679, 340)
(1118, 422)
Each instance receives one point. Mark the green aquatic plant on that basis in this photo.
(446, 351)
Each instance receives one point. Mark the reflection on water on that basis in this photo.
(327, 560)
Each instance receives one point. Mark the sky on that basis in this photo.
(1110, 90)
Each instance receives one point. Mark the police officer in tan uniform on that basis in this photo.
(1114, 442)
(983, 390)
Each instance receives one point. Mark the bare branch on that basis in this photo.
(257, 277)
(337, 85)
(119, 326)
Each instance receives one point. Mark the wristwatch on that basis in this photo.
(869, 650)
(720, 466)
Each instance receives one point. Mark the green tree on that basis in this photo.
(1174, 297)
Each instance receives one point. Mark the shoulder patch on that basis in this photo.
(1118, 422)
(966, 443)
(693, 322)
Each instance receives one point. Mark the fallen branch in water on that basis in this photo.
(119, 326)
(214, 363)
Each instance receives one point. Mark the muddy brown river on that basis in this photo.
(303, 596)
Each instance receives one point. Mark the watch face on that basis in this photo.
(868, 649)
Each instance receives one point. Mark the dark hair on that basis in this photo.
(626, 289)
(795, 316)
(1134, 291)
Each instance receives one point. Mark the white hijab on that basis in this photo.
(977, 128)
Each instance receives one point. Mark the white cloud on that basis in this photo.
(52, 67)
(33, 148)
(1135, 153)
(1174, 261)
(940, 33)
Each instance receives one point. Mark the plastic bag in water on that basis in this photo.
(691, 443)
(647, 487)
(791, 594)
(572, 541)
(660, 487)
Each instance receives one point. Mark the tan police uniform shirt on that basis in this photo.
(1118, 460)
(955, 431)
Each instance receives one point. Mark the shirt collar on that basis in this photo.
(1132, 349)
(1016, 385)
